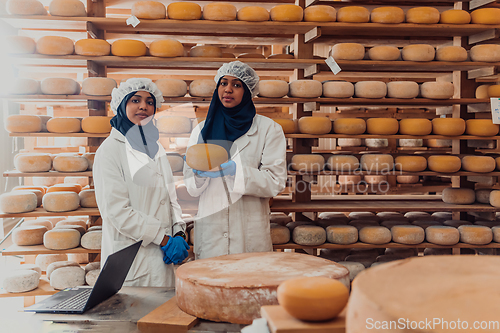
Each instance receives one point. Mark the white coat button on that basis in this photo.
(162, 202)
(225, 234)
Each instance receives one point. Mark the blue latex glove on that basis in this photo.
(175, 251)
(228, 169)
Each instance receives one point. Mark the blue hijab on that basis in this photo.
(141, 138)
(224, 125)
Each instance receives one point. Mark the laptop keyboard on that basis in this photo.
(76, 302)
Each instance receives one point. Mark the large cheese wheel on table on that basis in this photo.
(166, 48)
(485, 52)
(451, 53)
(253, 14)
(348, 51)
(18, 202)
(23, 86)
(387, 15)
(384, 53)
(68, 8)
(459, 196)
(149, 10)
(273, 88)
(98, 86)
(61, 201)
(219, 11)
(92, 47)
(20, 45)
(418, 52)
(202, 88)
(238, 296)
(349, 126)
(486, 16)
(205, 157)
(402, 89)
(320, 13)
(315, 125)
(96, 124)
(55, 45)
(25, 7)
(305, 88)
(353, 14)
(128, 48)
(370, 89)
(59, 86)
(410, 163)
(172, 87)
(184, 11)
(287, 13)
(437, 90)
(33, 162)
(423, 15)
(382, 126)
(455, 16)
(338, 89)
(415, 126)
(481, 127)
(478, 163)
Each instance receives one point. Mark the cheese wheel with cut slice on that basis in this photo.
(314, 125)
(343, 163)
(273, 88)
(308, 162)
(67, 8)
(87, 199)
(475, 234)
(349, 126)
(348, 51)
(21, 281)
(320, 13)
(444, 163)
(455, 16)
(423, 15)
(451, 53)
(338, 89)
(20, 45)
(23, 86)
(407, 234)
(418, 52)
(402, 89)
(67, 277)
(288, 125)
(437, 90)
(253, 14)
(166, 48)
(202, 88)
(219, 11)
(448, 126)
(23, 123)
(18, 202)
(92, 47)
(410, 163)
(387, 15)
(29, 235)
(481, 127)
(384, 53)
(377, 162)
(33, 162)
(309, 235)
(149, 10)
(305, 88)
(458, 196)
(96, 124)
(55, 45)
(63, 201)
(242, 290)
(342, 234)
(172, 87)
(25, 7)
(370, 89)
(415, 126)
(205, 157)
(70, 163)
(353, 14)
(382, 126)
(481, 164)
(485, 53)
(59, 86)
(128, 48)
(61, 239)
(98, 86)
(184, 11)
(375, 235)
(287, 13)
(486, 16)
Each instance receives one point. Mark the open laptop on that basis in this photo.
(79, 299)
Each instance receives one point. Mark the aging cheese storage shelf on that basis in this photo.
(15, 250)
(360, 245)
(15, 173)
(393, 173)
(40, 212)
(43, 289)
(395, 136)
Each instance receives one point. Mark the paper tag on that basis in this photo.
(495, 110)
(133, 21)
(334, 67)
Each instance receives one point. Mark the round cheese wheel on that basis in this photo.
(304, 297)
(273, 88)
(149, 10)
(70, 163)
(486, 16)
(253, 14)
(478, 163)
(81, 258)
(315, 125)
(415, 126)
(25, 7)
(280, 218)
(33, 162)
(348, 180)
(374, 235)
(128, 48)
(219, 11)
(482, 91)
(246, 289)
(437, 90)
(338, 89)
(21, 281)
(342, 142)
(475, 234)
(320, 13)
(423, 15)
(23, 123)
(448, 126)
(44, 260)
(496, 234)
(202, 88)
(174, 124)
(19, 45)
(458, 196)
(495, 198)
(371, 179)
(205, 157)
(442, 235)
(411, 142)
(455, 16)
(67, 277)
(91, 277)
(309, 235)
(98, 86)
(456, 223)
(342, 234)
(349, 126)
(353, 14)
(96, 265)
(305, 88)
(418, 52)
(61, 239)
(54, 45)
(494, 90)
(485, 52)
(348, 51)
(63, 201)
(407, 234)
(184, 11)
(64, 125)
(87, 199)
(451, 53)
(73, 221)
(370, 89)
(402, 89)
(96, 124)
(22, 86)
(172, 87)
(287, 13)
(481, 127)
(444, 163)
(92, 240)
(251, 56)
(29, 267)
(343, 163)
(410, 163)
(59, 86)
(166, 48)
(18, 202)
(377, 162)
(29, 235)
(60, 264)
(308, 162)
(281, 56)
(387, 15)
(382, 126)
(483, 196)
(407, 179)
(92, 47)
(376, 143)
(69, 8)
(90, 159)
(287, 125)
(45, 223)
(384, 53)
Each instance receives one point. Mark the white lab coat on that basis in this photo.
(137, 201)
(260, 157)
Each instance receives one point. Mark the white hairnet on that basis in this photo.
(241, 71)
(131, 85)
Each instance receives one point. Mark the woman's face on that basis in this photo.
(140, 107)
(230, 91)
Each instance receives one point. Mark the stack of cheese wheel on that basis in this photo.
(23, 123)
(423, 15)
(23, 86)
(68, 8)
(353, 14)
(418, 52)
(308, 162)
(202, 88)
(174, 124)
(18, 202)
(486, 16)
(448, 126)
(273, 88)
(415, 126)
(338, 89)
(25, 7)
(128, 48)
(96, 124)
(184, 11)
(348, 51)
(98, 86)
(253, 14)
(33, 162)
(219, 11)
(59, 86)
(287, 13)
(455, 16)
(69, 162)
(172, 87)
(64, 125)
(351, 126)
(320, 13)
(387, 15)
(370, 89)
(149, 10)
(55, 45)
(485, 52)
(382, 126)
(20, 45)
(459, 196)
(481, 127)
(437, 90)
(305, 88)
(384, 53)
(402, 89)
(166, 48)
(451, 53)
(314, 125)
(288, 125)
(92, 47)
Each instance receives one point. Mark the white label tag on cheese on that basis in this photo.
(334, 67)
(495, 110)
(133, 21)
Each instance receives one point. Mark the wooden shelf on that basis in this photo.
(54, 98)
(360, 245)
(395, 136)
(15, 173)
(57, 135)
(15, 250)
(392, 173)
(39, 212)
(43, 289)
(382, 2)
